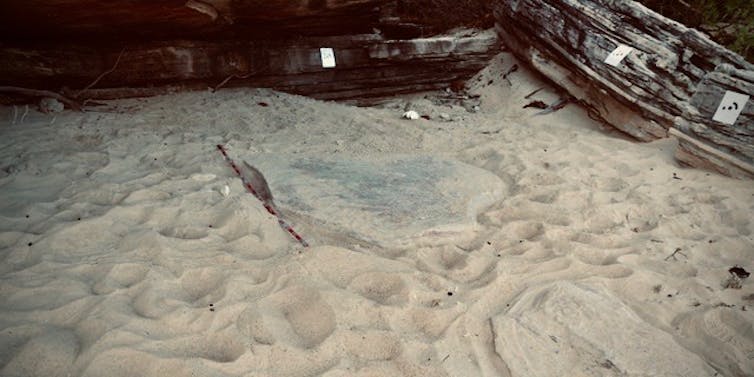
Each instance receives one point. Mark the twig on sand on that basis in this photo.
(677, 251)
(42, 93)
(72, 102)
(512, 69)
(26, 111)
(532, 93)
(234, 76)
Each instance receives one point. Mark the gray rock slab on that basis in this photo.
(389, 202)
(583, 330)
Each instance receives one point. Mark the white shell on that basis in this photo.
(225, 191)
(411, 114)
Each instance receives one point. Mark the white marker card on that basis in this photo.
(730, 107)
(328, 57)
(618, 54)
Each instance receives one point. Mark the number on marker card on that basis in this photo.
(730, 107)
(618, 54)
(328, 57)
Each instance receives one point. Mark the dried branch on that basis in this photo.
(42, 93)
(677, 251)
(222, 83)
(109, 71)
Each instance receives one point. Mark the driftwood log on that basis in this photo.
(366, 65)
(651, 89)
(704, 142)
(88, 20)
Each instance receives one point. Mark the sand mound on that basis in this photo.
(130, 248)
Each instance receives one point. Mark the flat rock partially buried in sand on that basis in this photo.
(581, 330)
(388, 202)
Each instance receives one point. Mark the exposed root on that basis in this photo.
(73, 104)
(109, 71)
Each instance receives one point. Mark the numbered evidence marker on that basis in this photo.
(328, 57)
(730, 107)
(618, 54)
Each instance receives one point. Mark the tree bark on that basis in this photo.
(728, 149)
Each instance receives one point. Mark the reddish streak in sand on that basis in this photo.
(267, 206)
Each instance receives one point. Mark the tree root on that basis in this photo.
(71, 103)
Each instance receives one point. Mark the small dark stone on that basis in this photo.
(27, 216)
(536, 104)
(739, 271)
(30, 243)
(607, 364)
(450, 293)
(263, 104)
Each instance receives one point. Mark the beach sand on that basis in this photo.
(598, 256)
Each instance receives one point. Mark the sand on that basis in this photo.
(121, 255)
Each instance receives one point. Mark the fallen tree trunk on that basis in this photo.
(366, 65)
(703, 141)
(91, 20)
(646, 93)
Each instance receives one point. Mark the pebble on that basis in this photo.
(411, 114)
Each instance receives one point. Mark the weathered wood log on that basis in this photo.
(366, 65)
(703, 141)
(569, 40)
(170, 19)
(668, 80)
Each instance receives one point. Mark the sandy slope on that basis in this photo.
(120, 256)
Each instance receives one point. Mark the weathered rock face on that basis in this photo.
(366, 65)
(144, 47)
(92, 20)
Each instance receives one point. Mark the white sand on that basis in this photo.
(120, 256)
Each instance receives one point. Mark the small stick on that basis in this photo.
(26, 111)
(234, 76)
(677, 251)
(15, 114)
(533, 93)
(42, 93)
(109, 71)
